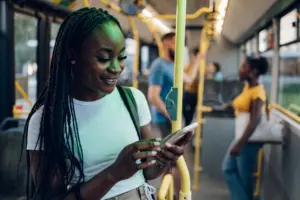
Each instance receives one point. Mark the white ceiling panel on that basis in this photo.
(242, 14)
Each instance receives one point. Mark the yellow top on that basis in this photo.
(249, 94)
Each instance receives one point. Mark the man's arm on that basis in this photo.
(155, 99)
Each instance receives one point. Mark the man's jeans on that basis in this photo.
(238, 171)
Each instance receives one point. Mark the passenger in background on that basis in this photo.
(191, 79)
(213, 72)
(240, 160)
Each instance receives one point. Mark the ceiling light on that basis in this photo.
(222, 12)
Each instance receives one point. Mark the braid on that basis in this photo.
(58, 134)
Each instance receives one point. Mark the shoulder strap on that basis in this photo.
(130, 103)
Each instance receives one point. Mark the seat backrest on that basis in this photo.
(13, 183)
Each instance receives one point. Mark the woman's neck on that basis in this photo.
(82, 93)
(253, 82)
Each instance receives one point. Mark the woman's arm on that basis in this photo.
(96, 188)
(255, 116)
(123, 168)
(223, 107)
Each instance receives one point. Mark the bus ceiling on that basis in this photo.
(241, 21)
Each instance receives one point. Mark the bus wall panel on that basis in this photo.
(227, 55)
(281, 169)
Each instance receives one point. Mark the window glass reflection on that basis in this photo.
(54, 32)
(25, 35)
(267, 79)
(289, 82)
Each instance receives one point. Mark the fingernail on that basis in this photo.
(153, 153)
(158, 139)
(158, 149)
(156, 143)
(153, 161)
(168, 145)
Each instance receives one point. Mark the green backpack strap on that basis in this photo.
(130, 103)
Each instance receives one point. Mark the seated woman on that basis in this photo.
(81, 140)
(239, 162)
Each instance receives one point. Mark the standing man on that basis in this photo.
(161, 80)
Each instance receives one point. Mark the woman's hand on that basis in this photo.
(171, 152)
(236, 149)
(127, 163)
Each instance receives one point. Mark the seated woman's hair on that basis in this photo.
(217, 66)
(260, 64)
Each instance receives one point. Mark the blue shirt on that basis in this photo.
(161, 74)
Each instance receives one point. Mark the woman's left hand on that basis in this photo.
(171, 152)
(236, 149)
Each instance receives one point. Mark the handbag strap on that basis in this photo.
(130, 103)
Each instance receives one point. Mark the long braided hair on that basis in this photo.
(58, 135)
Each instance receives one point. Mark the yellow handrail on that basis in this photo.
(195, 15)
(56, 1)
(156, 37)
(72, 5)
(23, 93)
(86, 3)
(204, 44)
(110, 5)
(167, 188)
(258, 173)
(17, 112)
(288, 113)
(135, 83)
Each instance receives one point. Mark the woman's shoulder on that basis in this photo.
(138, 94)
(259, 92)
(37, 115)
(33, 129)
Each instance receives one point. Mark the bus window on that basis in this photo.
(267, 79)
(289, 82)
(54, 32)
(25, 35)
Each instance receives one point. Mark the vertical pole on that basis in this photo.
(7, 64)
(135, 82)
(203, 49)
(185, 192)
(43, 52)
(276, 63)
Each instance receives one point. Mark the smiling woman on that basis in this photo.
(81, 140)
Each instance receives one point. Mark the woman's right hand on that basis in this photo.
(127, 163)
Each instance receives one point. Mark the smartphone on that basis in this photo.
(174, 137)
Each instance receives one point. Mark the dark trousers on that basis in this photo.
(189, 107)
